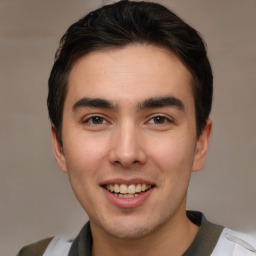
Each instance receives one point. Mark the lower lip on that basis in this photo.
(131, 202)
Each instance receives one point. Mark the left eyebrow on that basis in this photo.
(94, 103)
(160, 102)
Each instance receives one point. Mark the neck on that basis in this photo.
(172, 238)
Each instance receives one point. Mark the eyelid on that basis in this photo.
(168, 118)
(85, 119)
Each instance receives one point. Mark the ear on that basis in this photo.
(58, 150)
(202, 147)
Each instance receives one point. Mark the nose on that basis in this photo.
(126, 148)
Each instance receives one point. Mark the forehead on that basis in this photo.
(129, 74)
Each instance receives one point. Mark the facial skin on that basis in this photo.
(141, 131)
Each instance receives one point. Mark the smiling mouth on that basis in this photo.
(128, 191)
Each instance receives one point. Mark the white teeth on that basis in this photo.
(138, 188)
(123, 189)
(111, 187)
(116, 188)
(143, 187)
(131, 189)
(127, 191)
(126, 195)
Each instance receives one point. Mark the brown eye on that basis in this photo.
(159, 119)
(160, 122)
(95, 120)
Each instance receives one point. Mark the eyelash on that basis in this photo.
(151, 121)
(90, 120)
(165, 120)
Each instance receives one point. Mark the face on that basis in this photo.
(129, 139)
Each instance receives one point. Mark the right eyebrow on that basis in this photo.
(93, 102)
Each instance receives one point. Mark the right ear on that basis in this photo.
(58, 151)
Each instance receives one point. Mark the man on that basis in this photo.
(129, 100)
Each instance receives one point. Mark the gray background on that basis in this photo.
(35, 198)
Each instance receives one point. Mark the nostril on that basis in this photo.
(127, 163)
(127, 156)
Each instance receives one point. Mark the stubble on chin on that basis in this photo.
(130, 231)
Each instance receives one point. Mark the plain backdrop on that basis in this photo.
(35, 198)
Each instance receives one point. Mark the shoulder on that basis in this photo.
(58, 245)
(235, 243)
(35, 249)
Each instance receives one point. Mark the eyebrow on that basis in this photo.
(155, 102)
(160, 102)
(93, 102)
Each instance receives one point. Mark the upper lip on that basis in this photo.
(126, 181)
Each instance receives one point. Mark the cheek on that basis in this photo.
(174, 154)
(84, 161)
(84, 155)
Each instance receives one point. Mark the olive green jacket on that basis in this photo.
(37, 249)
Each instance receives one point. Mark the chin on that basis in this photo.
(128, 233)
(129, 229)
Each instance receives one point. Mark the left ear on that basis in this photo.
(202, 147)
